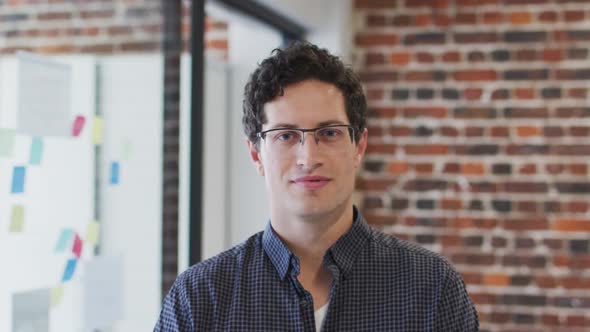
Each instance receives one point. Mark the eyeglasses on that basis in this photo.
(281, 140)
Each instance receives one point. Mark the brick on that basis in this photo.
(400, 131)
(474, 113)
(447, 131)
(500, 55)
(399, 204)
(572, 35)
(499, 242)
(475, 75)
(502, 205)
(376, 21)
(466, 3)
(425, 239)
(573, 74)
(525, 187)
(387, 149)
(472, 93)
(526, 74)
(526, 55)
(375, 94)
(526, 224)
(527, 149)
(580, 247)
(452, 204)
(474, 131)
(452, 168)
(502, 169)
(552, 55)
(400, 94)
(450, 94)
(372, 59)
(573, 112)
(577, 207)
(570, 150)
(519, 18)
(374, 76)
(577, 53)
(465, 18)
(493, 17)
(528, 131)
(475, 37)
(375, 4)
(423, 131)
(578, 93)
(552, 131)
(528, 169)
(375, 39)
(524, 2)
(524, 93)
(92, 14)
(579, 131)
(383, 112)
(402, 21)
(423, 168)
(428, 112)
(52, 16)
(397, 168)
(372, 203)
(377, 219)
(578, 169)
(400, 58)
(476, 149)
(425, 38)
(427, 3)
(547, 16)
(551, 93)
(520, 280)
(426, 185)
(524, 260)
(522, 299)
(476, 205)
(424, 57)
(140, 46)
(524, 243)
(500, 94)
(525, 36)
(424, 93)
(436, 75)
(451, 56)
(425, 204)
(14, 17)
(473, 259)
(571, 225)
(422, 20)
(427, 149)
(378, 184)
(374, 166)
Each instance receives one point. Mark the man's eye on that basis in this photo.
(330, 132)
(286, 136)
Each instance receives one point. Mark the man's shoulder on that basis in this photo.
(225, 263)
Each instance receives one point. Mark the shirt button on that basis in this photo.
(303, 303)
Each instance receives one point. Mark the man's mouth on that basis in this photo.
(312, 181)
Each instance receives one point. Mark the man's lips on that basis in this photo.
(312, 181)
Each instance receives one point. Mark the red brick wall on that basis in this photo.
(480, 149)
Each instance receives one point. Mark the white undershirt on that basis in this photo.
(320, 314)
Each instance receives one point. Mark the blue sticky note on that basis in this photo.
(70, 269)
(64, 240)
(115, 172)
(36, 151)
(18, 179)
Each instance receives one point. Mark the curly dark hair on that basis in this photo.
(299, 62)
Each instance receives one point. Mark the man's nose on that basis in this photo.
(308, 152)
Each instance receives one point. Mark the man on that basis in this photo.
(317, 265)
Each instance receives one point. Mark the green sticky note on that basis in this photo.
(57, 294)
(36, 151)
(17, 220)
(92, 233)
(6, 142)
(97, 130)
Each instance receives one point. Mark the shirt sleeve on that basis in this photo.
(456, 312)
(175, 315)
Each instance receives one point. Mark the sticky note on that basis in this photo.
(17, 220)
(64, 240)
(92, 232)
(36, 151)
(78, 125)
(6, 142)
(97, 130)
(18, 179)
(69, 270)
(114, 172)
(57, 294)
(77, 246)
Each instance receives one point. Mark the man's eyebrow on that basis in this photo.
(321, 124)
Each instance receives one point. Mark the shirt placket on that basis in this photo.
(305, 301)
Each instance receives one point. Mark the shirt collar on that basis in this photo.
(344, 251)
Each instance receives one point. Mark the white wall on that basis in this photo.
(131, 97)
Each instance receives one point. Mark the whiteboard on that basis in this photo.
(58, 194)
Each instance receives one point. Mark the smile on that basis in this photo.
(312, 182)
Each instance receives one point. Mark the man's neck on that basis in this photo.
(310, 239)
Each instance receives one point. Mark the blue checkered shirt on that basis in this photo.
(381, 283)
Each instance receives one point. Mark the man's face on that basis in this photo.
(310, 179)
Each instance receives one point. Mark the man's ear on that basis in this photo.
(255, 155)
(361, 147)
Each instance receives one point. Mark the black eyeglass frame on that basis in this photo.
(262, 134)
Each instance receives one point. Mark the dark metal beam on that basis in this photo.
(196, 135)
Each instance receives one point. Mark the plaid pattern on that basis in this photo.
(381, 283)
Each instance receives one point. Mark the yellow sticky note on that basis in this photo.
(92, 232)
(97, 130)
(17, 220)
(57, 294)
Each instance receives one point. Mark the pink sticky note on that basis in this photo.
(77, 246)
(78, 125)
